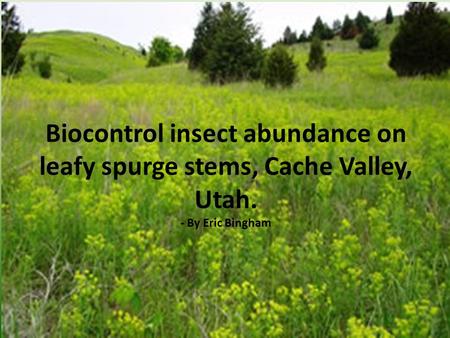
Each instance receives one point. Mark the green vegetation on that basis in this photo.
(162, 52)
(346, 256)
(422, 45)
(368, 39)
(227, 46)
(76, 55)
(280, 68)
(12, 39)
(45, 67)
(389, 16)
(316, 60)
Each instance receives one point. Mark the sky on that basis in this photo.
(134, 23)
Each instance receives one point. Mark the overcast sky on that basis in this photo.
(132, 23)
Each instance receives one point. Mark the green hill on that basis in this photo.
(79, 56)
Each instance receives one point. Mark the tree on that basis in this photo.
(177, 54)
(389, 17)
(203, 35)
(160, 52)
(279, 68)
(348, 30)
(12, 39)
(235, 50)
(321, 30)
(422, 44)
(316, 60)
(368, 39)
(337, 25)
(361, 22)
(289, 37)
(303, 37)
(142, 50)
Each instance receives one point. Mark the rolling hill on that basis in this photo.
(88, 57)
(79, 56)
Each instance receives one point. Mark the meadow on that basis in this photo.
(346, 256)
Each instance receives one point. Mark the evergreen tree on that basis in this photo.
(361, 22)
(235, 52)
(303, 37)
(317, 28)
(316, 60)
(202, 37)
(368, 39)
(348, 30)
(279, 68)
(12, 39)
(389, 16)
(289, 37)
(337, 25)
(321, 30)
(422, 44)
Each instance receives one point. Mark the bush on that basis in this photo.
(422, 44)
(279, 68)
(316, 60)
(368, 39)
(45, 68)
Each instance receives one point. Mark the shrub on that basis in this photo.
(422, 44)
(279, 68)
(45, 67)
(316, 60)
(368, 39)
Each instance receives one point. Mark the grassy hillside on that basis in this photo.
(84, 57)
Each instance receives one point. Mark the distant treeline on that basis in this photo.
(228, 47)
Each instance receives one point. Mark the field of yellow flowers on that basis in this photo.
(346, 256)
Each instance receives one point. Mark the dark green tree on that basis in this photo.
(321, 30)
(236, 51)
(303, 37)
(280, 68)
(12, 39)
(337, 25)
(289, 36)
(389, 16)
(316, 60)
(348, 30)
(422, 44)
(361, 22)
(368, 39)
(203, 36)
